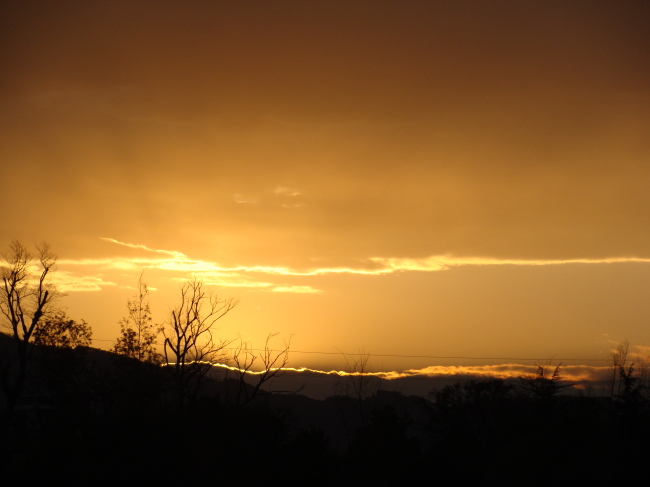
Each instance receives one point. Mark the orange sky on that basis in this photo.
(414, 178)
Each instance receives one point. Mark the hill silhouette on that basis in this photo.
(91, 414)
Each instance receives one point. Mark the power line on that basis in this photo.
(395, 355)
(440, 356)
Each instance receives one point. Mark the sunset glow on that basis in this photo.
(420, 179)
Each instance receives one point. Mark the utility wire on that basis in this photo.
(395, 355)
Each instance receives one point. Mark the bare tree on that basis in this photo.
(361, 380)
(26, 300)
(644, 374)
(138, 333)
(190, 347)
(613, 372)
(617, 363)
(359, 383)
(272, 363)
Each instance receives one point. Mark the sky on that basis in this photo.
(434, 183)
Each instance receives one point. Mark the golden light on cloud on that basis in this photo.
(568, 373)
(296, 289)
(177, 262)
(180, 262)
(439, 263)
(70, 282)
(241, 199)
(282, 191)
(510, 371)
(173, 253)
(246, 276)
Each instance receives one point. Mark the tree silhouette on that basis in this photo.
(62, 332)
(618, 362)
(273, 362)
(190, 347)
(138, 334)
(544, 385)
(359, 383)
(26, 299)
(630, 385)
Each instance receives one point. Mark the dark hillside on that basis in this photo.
(89, 414)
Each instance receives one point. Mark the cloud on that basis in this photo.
(288, 197)
(228, 279)
(210, 272)
(68, 282)
(241, 199)
(249, 276)
(296, 289)
(285, 195)
(107, 263)
(507, 371)
(321, 384)
(283, 191)
(568, 373)
(144, 247)
(444, 262)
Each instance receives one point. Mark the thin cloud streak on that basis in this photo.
(210, 272)
(144, 247)
(568, 373)
(283, 191)
(439, 263)
(214, 274)
(68, 282)
(296, 289)
(508, 371)
(387, 264)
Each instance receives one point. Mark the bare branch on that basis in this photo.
(26, 300)
(190, 348)
(273, 363)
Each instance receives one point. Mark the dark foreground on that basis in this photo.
(111, 421)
